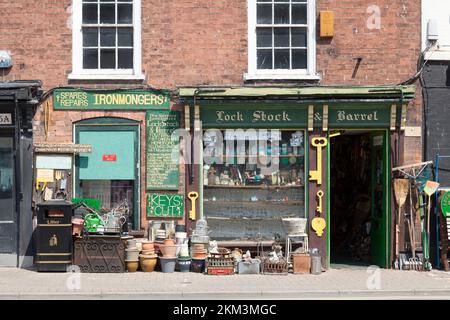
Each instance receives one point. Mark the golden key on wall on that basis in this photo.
(319, 195)
(192, 196)
(319, 143)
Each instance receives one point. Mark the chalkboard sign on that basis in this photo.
(165, 205)
(162, 171)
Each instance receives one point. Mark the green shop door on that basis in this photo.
(380, 200)
(111, 172)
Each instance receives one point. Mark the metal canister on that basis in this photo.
(316, 262)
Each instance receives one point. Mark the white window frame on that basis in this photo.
(301, 74)
(78, 73)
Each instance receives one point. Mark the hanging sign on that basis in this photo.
(162, 167)
(165, 205)
(62, 148)
(78, 99)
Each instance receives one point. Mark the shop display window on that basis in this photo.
(252, 179)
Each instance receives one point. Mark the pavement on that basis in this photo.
(345, 283)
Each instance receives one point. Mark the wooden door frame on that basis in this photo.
(114, 124)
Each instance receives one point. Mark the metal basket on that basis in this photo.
(294, 225)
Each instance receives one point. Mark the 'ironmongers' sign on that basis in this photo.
(165, 205)
(77, 99)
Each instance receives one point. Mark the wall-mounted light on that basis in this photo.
(5, 60)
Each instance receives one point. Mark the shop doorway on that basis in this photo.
(8, 218)
(358, 217)
(110, 173)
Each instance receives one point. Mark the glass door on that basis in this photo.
(7, 218)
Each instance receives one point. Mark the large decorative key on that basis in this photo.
(319, 195)
(192, 196)
(319, 143)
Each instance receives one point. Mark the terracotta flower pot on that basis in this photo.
(200, 255)
(169, 251)
(169, 242)
(132, 266)
(148, 246)
(147, 252)
(148, 262)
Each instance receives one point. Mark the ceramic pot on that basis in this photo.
(131, 243)
(132, 266)
(184, 265)
(148, 252)
(168, 251)
(181, 237)
(148, 246)
(169, 242)
(168, 264)
(198, 265)
(139, 246)
(184, 251)
(148, 262)
(132, 255)
(200, 256)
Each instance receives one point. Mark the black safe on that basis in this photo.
(54, 235)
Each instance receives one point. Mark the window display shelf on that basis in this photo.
(225, 202)
(254, 187)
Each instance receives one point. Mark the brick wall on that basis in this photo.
(204, 42)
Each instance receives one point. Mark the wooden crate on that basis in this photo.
(275, 267)
(301, 263)
(217, 271)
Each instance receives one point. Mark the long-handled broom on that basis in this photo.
(401, 188)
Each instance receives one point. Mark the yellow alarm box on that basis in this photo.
(326, 23)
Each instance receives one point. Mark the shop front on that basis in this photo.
(322, 154)
(18, 101)
(102, 161)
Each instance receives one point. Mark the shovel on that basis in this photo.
(430, 188)
(401, 187)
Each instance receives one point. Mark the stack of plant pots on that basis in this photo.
(169, 258)
(148, 257)
(132, 256)
(184, 259)
(199, 255)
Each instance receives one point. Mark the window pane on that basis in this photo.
(298, 37)
(264, 37)
(264, 59)
(107, 59)
(90, 13)
(125, 58)
(90, 37)
(124, 13)
(299, 13)
(282, 59)
(299, 59)
(281, 37)
(281, 13)
(107, 37)
(107, 13)
(90, 59)
(264, 13)
(125, 37)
